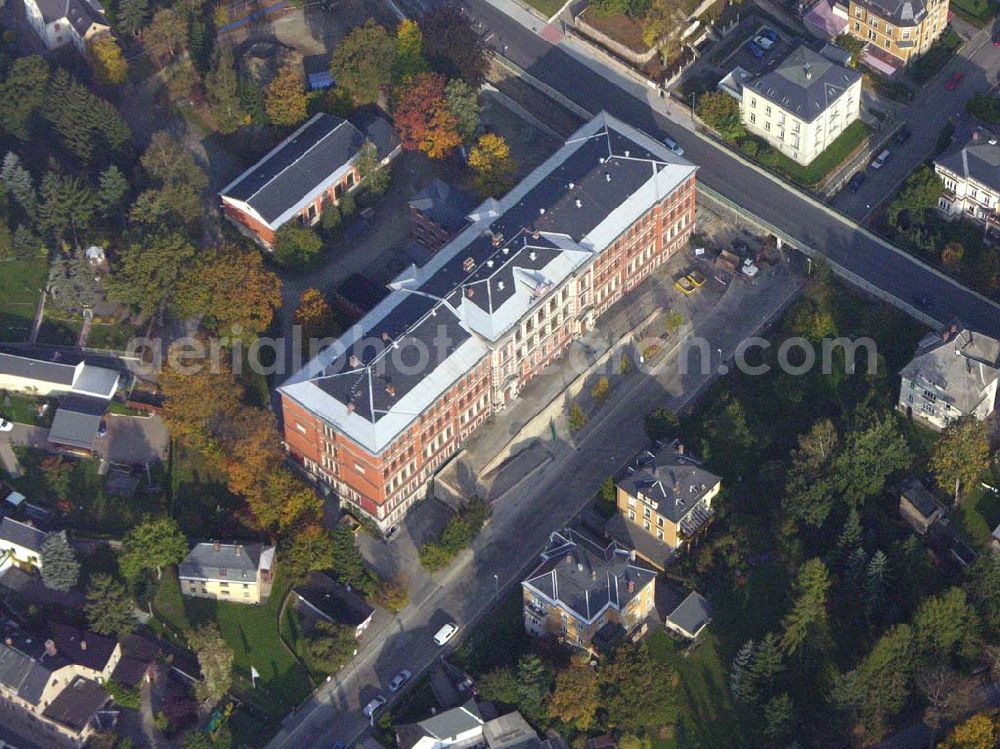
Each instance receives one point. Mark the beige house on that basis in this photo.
(61, 374)
(801, 105)
(918, 506)
(897, 29)
(20, 545)
(580, 588)
(953, 374)
(970, 172)
(62, 22)
(53, 687)
(236, 572)
(663, 503)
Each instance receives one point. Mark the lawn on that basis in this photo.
(705, 714)
(199, 499)
(20, 284)
(817, 169)
(979, 513)
(113, 337)
(547, 8)
(976, 12)
(59, 332)
(24, 410)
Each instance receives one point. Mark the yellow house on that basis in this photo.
(663, 503)
(900, 28)
(581, 587)
(20, 544)
(60, 374)
(236, 572)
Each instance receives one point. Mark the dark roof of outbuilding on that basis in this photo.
(76, 704)
(334, 601)
(693, 613)
(804, 84)
(21, 534)
(445, 205)
(77, 421)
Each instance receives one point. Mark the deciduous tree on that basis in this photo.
(198, 404)
(215, 658)
(959, 458)
(452, 46)
(109, 609)
(637, 692)
(146, 276)
(310, 550)
(463, 103)
(374, 175)
(576, 697)
(423, 118)
(60, 570)
(978, 732)
(286, 102)
(296, 246)
(391, 595)
(315, 316)
(153, 544)
(233, 290)
(809, 491)
(107, 61)
(722, 112)
(492, 164)
(942, 623)
(409, 46)
(870, 456)
(331, 646)
(363, 62)
(165, 36)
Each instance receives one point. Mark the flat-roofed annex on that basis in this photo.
(441, 319)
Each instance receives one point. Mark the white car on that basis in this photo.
(399, 680)
(6, 426)
(374, 706)
(763, 42)
(445, 633)
(674, 146)
(880, 160)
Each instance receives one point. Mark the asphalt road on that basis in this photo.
(890, 270)
(925, 117)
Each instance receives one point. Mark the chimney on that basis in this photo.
(350, 407)
(680, 449)
(354, 361)
(593, 574)
(238, 550)
(50, 647)
(385, 337)
(216, 546)
(9, 642)
(975, 135)
(631, 586)
(83, 644)
(390, 389)
(579, 203)
(579, 566)
(808, 71)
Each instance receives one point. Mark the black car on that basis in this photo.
(902, 136)
(923, 301)
(855, 182)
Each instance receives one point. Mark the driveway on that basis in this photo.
(130, 439)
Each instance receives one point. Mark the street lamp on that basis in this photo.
(496, 579)
(720, 356)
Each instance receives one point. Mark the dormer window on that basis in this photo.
(468, 265)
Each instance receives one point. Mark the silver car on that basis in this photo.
(399, 680)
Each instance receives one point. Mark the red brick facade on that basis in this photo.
(384, 486)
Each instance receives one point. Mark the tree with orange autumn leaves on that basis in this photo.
(423, 118)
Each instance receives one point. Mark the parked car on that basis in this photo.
(399, 680)
(696, 278)
(855, 182)
(763, 42)
(923, 301)
(755, 49)
(6, 426)
(102, 429)
(769, 34)
(374, 706)
(879, 161)
(673, 145)
(955, 81)
(390, 535)
(902, 135)
(684, 285)
(445, 633)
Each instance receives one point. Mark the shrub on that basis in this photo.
(661, 423)
(296, 246)
(577, 418)
(458, 534)
(601, 390)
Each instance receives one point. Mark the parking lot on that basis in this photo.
(744, 58)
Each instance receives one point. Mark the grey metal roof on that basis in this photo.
(443, 726)
(693, 613)
(442, 318)
(510, 731)
(227, 562)
(586, 578)
(900, 12)
(21, 674)
(675, 482)
(957, 365)
(445, 205)
(77, 420)
(308, 158)
(804, 84)
(978, 158)
(42, 370)
(80, 13)
(920, 497)
(334, 601)
(634, 536)
(22, 534)
(377, 128)
(96, 381)
(76, 704)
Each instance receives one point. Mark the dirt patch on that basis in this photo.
(621, 28)
(545, 109)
